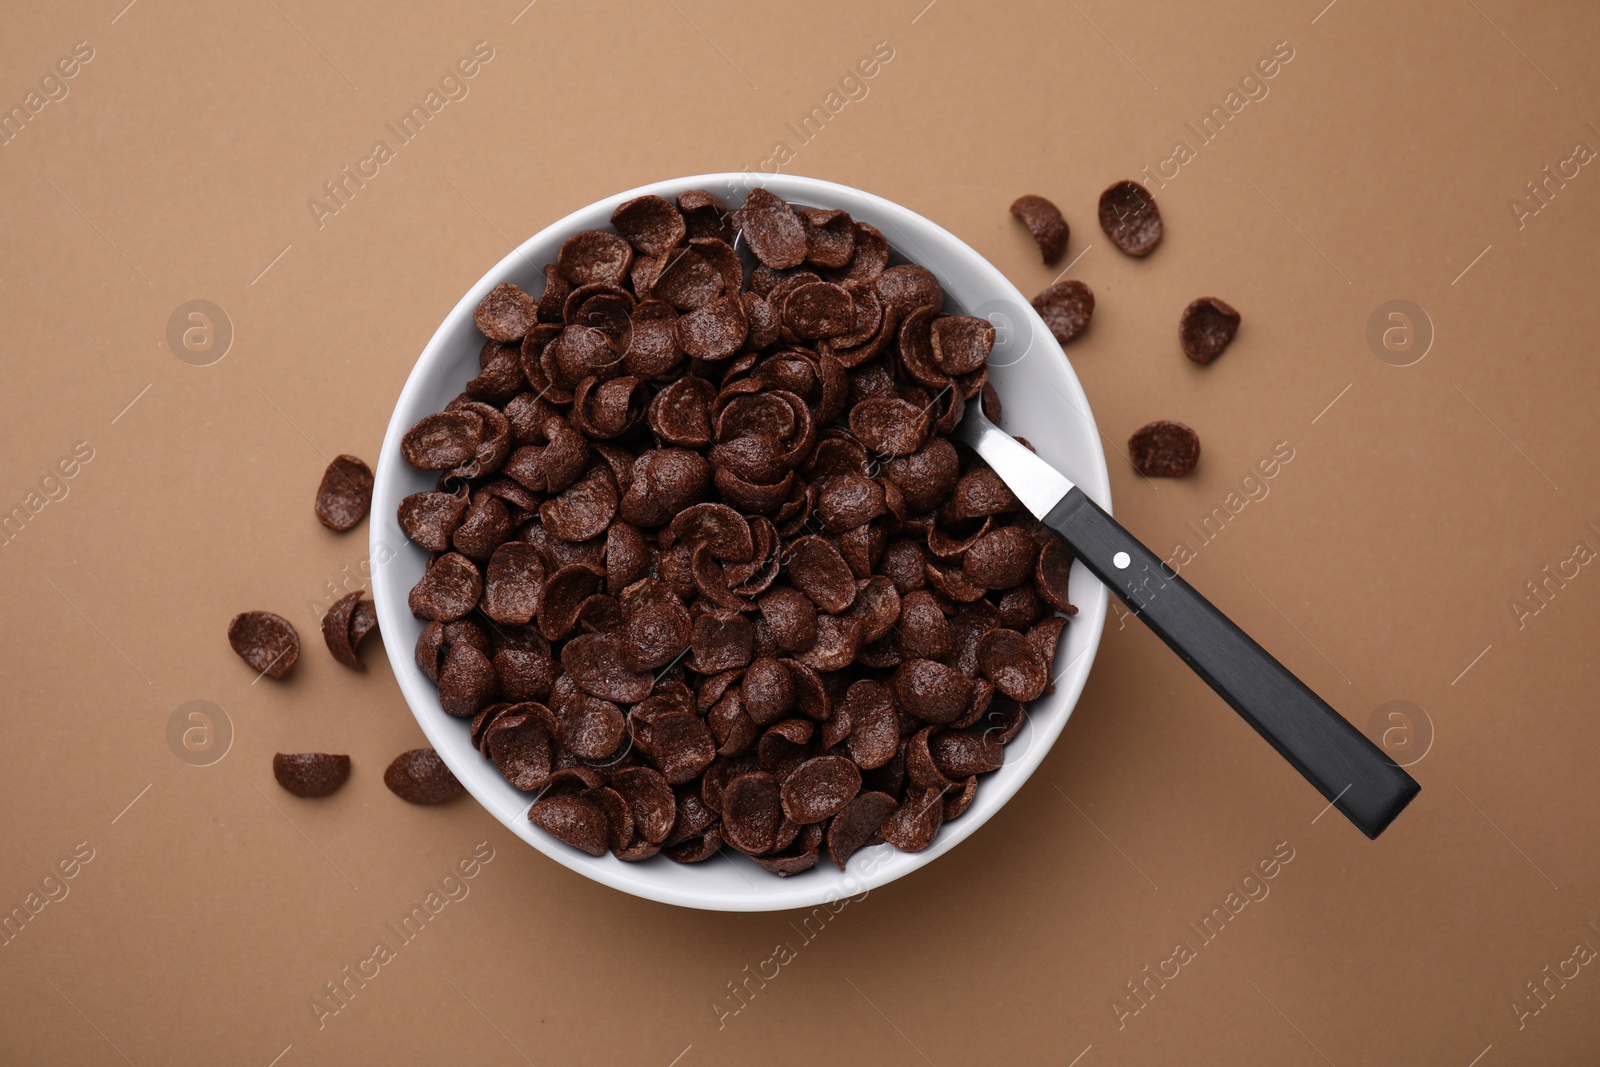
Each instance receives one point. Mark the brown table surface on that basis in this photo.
(208, 911)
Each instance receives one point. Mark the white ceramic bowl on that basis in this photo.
(1042, 402)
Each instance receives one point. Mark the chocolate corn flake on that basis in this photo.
(526, 671)
(594, 256)
(597, 662)
(705, 215)
(1129, 216)
(449, 589)
(338, 625)
(839, 639)
(1043, 220)
(869, 330)
(981, 492)
(563, 596)
(519, 745)
(723, 770)
(819, 309)
(438, 442)
(512, 581)
(1206, 329)
(466, 681)
(890, 426)
(714, 331)
(1003, 721)
(1066, 308)
(554, 296)
(772, 229)
(345, 495)
(820, 572)
(721, 640)
(784, 746)
(876, 607)
(591, 727)
(311, 774)
(652, 225)
(923, 630)
(689, 279)
(656, 635)
(819, 787)
(961, 343)
(932, 691)
(506, 314)
(421, 777)
(874, 726)
(573, 819)
(430, 519)
(1164, 449)
(566, 456)
(492, 446)
(926, 477)
(856, 824)
(735, 732)
(791, 616)
(691, 818)
(1020, 607)
(268, 643)
(752, 810)
(912, 826)
(849, 500)
(696, 849)
(483, 528)
(963, 753)
(830, 237)
(725, 533)
(907, 287)
(1013, 663)
(999, 559)
(1046, 637)
(682, 746)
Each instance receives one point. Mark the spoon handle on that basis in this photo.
(1348, 769)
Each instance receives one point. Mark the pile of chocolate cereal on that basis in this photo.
(707, 570)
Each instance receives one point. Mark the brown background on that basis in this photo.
(1380, 567)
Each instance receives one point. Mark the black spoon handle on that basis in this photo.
(1349, 770)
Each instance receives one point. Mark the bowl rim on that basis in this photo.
(422, 697)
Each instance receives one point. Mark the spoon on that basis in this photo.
(1349, 771)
